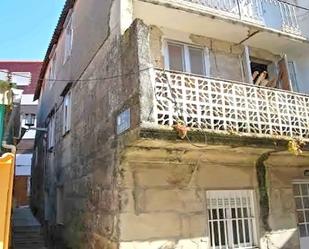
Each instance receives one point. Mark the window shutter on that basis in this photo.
(245, 62)
(284, 76)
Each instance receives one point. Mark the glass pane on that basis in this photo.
(304, 189)
(300, 217)
(235, 232)
(175, 53)
(302, 230)
(197, 61)
(306, 202)
(306, 216)
(298, 203)
(247, 231)
(296, 189)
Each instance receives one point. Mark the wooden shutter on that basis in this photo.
(284, 76)
(245, 62)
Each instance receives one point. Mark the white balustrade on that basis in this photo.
(218, 105)
(258, 11)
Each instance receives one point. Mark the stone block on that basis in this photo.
(149, 226)
(221, 46)
(226, 177)
(194, 226)
(172, 200)
(201, 40)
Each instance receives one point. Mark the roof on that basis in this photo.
(33, 67)
(58, 30)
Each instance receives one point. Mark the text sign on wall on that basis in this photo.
(123, 121)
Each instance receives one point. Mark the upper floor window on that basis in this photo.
(67, 112)
(51, 132)
(186, 58)
(68, 42)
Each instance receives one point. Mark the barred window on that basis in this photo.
(231, 219)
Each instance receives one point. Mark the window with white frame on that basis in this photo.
(21, 78)
(301, 195)
(51, 132)
(231, 219)
(186, 58)
(68, 40)
(67, 112)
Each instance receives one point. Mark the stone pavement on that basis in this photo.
(26, 230)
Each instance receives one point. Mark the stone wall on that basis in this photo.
(84, 161)
(163, 193)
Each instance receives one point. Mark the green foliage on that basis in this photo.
(5, 85)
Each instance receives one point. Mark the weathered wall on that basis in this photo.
(84, 161)
(163, 188)
(163, 192)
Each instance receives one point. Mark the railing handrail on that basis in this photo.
(231, 81)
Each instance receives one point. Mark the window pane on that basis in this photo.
(304, 189)
(298, 203)
(306, 202)
(302, 230)
(175, 53)
(197, 61)
(300, 217)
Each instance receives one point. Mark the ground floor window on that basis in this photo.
(301, 195)
(231, 219)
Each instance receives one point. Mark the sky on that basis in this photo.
(27, 27)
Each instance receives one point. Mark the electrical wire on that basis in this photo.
(80, 80)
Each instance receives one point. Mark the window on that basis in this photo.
(67, 113)
(4, 74)
(51, 132)
(21, 78)
(231, 219)
(68, 40)
(186, 58)
(301, 195)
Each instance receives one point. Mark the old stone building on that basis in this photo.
(175, 124)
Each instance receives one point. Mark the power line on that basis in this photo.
(67, 80)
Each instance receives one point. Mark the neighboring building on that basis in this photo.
(119, 75)
(25, 74)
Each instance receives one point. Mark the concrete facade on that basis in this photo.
(144, 187)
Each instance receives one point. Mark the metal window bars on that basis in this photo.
(231, 219)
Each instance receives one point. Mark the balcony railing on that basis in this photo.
(273, 14)
(232, 107)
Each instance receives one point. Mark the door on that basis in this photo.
(284, 80)
(301, 195)
(245, 65)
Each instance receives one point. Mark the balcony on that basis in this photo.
(273, 14)
(217, 105)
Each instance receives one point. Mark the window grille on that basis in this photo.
(301, 195)
(231, 219)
